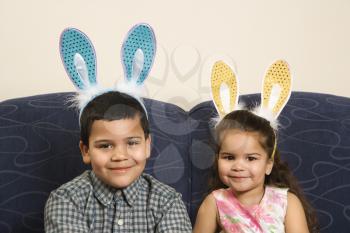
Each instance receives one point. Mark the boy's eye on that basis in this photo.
(133, 142)
(105, 146)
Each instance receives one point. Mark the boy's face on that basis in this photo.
(117, 151)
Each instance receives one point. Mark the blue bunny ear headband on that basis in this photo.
(79, 59)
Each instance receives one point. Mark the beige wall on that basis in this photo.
(312, 35)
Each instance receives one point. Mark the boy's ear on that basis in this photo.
(148, 146)
(84, 149)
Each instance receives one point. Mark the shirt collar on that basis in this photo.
(105, 193)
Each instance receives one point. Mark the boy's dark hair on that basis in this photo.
(111, 106)
(280, 176)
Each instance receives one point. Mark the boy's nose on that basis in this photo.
(120, 153)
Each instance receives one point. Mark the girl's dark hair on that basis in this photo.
(280, 176)
(111, 106)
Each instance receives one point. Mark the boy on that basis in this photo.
(116, 196)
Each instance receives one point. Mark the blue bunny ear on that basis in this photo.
(78, 57)
(138, 53)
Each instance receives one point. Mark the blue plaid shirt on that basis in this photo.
(86, 204)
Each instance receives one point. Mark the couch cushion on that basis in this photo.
(314, 139)
(39, 151)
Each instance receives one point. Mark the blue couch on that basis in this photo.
(39, 151)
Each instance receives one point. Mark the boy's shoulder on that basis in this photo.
(76, 189)
(156, 189)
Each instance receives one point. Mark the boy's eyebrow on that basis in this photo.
(133, 137)
(109, 140)
(102, 140)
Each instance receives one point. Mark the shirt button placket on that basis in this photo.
(119, 222)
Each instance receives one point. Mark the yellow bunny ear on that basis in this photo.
(224, 88)
(276, 88)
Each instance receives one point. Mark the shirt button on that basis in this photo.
(120, 222)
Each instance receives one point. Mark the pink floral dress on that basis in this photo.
(266, 217)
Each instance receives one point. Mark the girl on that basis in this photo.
(254, 191)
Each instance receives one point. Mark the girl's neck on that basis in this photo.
(250, 198)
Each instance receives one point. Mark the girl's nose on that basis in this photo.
(237, 165)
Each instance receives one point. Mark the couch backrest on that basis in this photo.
(39, 151)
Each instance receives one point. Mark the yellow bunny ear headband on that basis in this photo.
(275, 93)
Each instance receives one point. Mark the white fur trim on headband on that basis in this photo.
(268, 115)
(133, 89)
(82, 97)
(215, 120)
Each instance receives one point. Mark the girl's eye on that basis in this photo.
(251, 158)
(229, 157)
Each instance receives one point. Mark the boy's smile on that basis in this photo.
(117, 151)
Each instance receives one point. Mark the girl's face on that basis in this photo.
(242, 161)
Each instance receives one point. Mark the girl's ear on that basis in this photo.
(138, 52)
(269, 167)
(84, 149)
(224, 88)
(78, 57)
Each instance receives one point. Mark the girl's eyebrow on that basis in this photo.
(225, 153)
(254, 153)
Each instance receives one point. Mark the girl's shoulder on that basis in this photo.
(276, 192)
(206, 220)
(219, 194)
(295, 220)
(293, 200)
(209, 199)
(276, 189)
